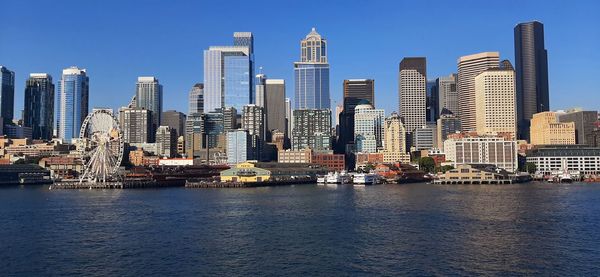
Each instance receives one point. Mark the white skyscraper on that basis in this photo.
(73, 98)
(368, 128)
(468, 68)
(149, 95)
(412, 92)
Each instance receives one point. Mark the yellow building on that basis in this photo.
(495, 102)
(469, 174)
(546, 130)
(245, 172)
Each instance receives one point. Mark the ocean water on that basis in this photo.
(303, 230)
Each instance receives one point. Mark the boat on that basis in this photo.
(565, 177)
(321, 180)
(337, 178)
(365, 179)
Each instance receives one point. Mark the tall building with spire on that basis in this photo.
(531, 60)
(73, 102)
(311, 74)
(468, 68)
(38, 109)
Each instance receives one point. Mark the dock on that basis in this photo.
(127, 184)
(219, 184)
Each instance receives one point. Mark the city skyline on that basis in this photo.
(180, 66)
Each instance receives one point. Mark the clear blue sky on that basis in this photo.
(120, 40)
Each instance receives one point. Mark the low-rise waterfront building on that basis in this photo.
(471, 174)
(581, 158)
(497, 151)
(292, 156)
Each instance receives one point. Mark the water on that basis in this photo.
(417, 229)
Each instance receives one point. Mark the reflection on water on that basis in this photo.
(416, 229)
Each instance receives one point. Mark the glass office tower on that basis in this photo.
(38, 109)
(73, 101)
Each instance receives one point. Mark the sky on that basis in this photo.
(117, 41)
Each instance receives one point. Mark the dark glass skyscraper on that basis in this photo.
(38, 109)
(531, 60)
(356, 92)
(7, 94)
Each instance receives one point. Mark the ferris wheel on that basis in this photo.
(102, 149)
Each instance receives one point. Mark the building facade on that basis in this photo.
(196, 99)
(166, 141)
(424, 138)
(412, 92)
(482, 150)
(531, 60)
(368, 128)
(448, 123)
(238, 146)
(394, 140)
(136, 125)
(584, 123)
(149, 95)
(546, 130)
(253, 121)
(175, 120)
(495, 102)
(356, 92)
(311, 74)
(73, 102)
(38, 109)
(468, 68)
(229, 73)
(552, 159)
(7, 95)
(312, 129)
(447, 93)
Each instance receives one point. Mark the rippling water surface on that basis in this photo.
(417, 229)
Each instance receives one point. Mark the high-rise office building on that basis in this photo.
(312, 129)
(432, 101)
(275, 105)
(149, 95)
(229, 73)
(73, 102)
(448, 123)
(38, 109)
(136, 125)
(7, 94)
(238, 146)
(368, 128)
(468, 68)
(584, 123)
(495, 102)
(194, 137)
(531, 60)
(253, 121)
(175, 120)
(196, 99)
(311, 74)
(547, 130)
(424, 137)
(356, 92)
(394, 140)
(230, 118)
(412, 92)
(166, 141)
(260, 89)
(289, 120)
(448, 94)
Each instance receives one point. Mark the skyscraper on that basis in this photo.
(584, 123)
(368, 128)
(275, 105)
(238, 146)
(448, 123)
(469, 67)
(447, 92)
(495, 102)
(196, 99)
(531, 60)
(166, 141)
(412, 92)
(311, 74)
(424, 137)
(175, 120)
(312, 129)
(136, 125)
(356, 92)
(395, 140)
(73, 101)
(38, 109)
(7, 94)
(432, 101)
(149, 95)
(259, 98)
(253, 121)
(229, 73)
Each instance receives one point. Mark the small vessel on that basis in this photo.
(565, 177)
(337, 178)
(321, 180)
(365, 179)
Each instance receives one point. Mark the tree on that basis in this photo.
(530, 167)
(446, 168)
(427, 164)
